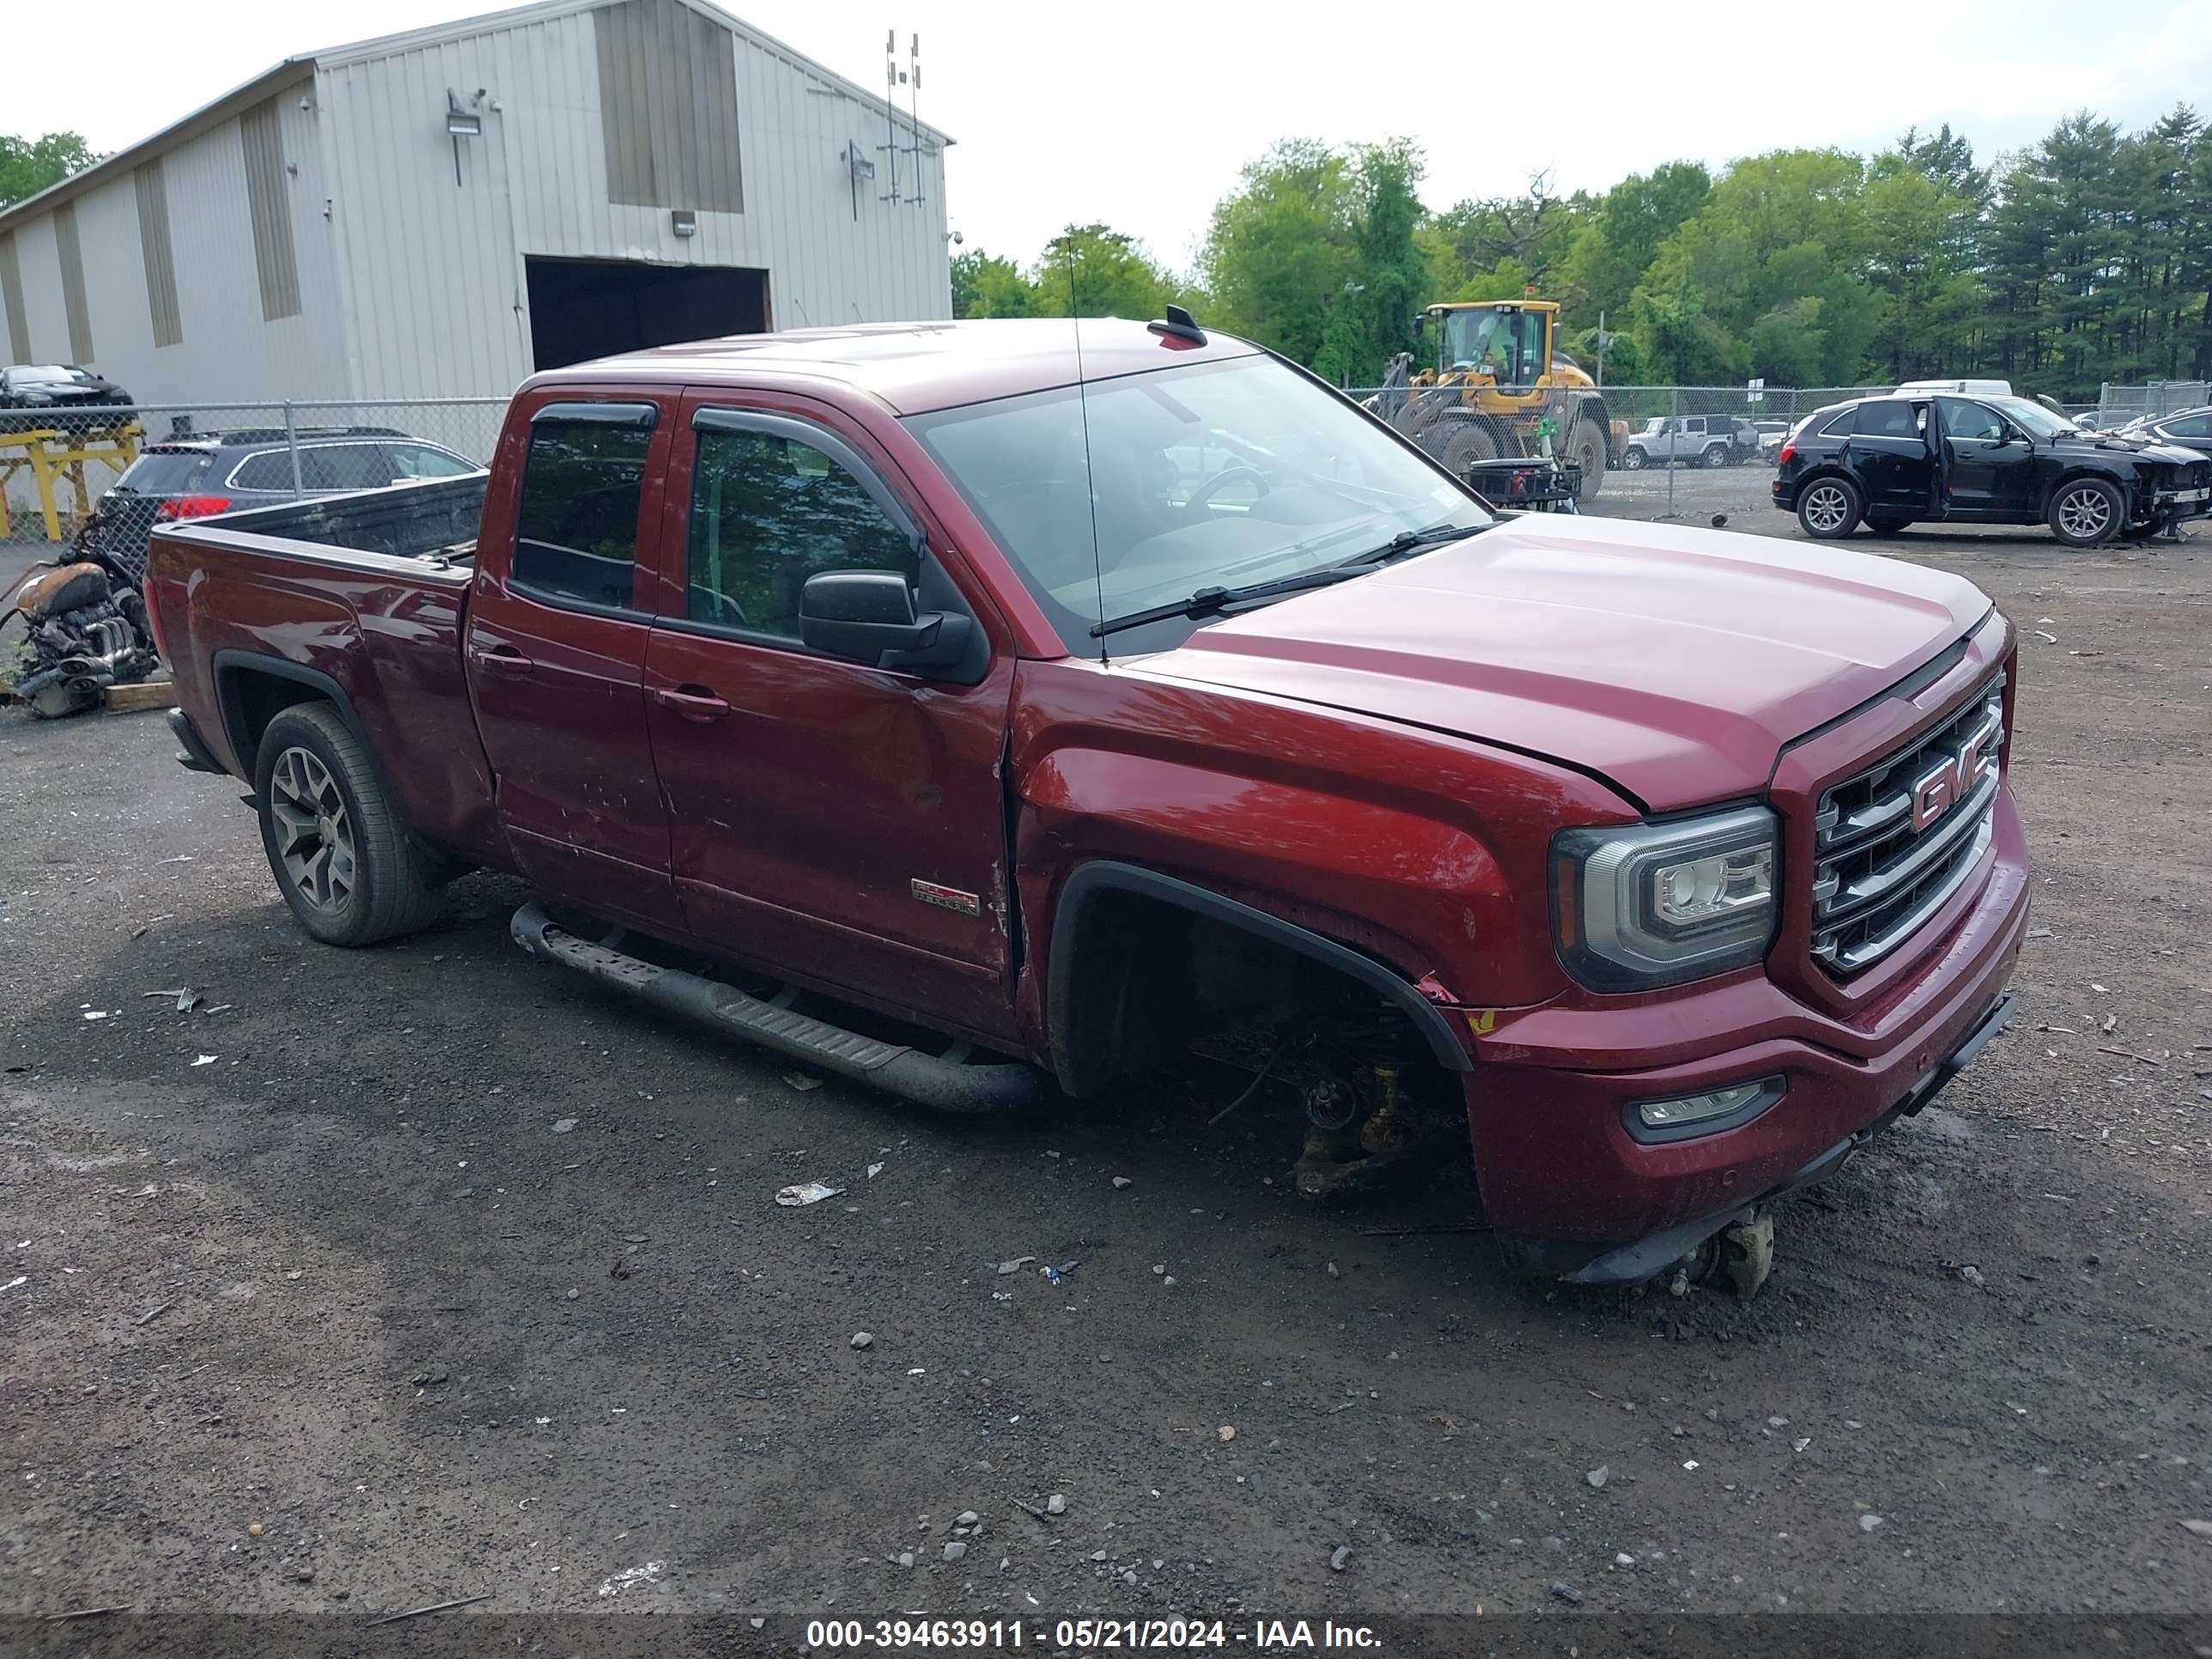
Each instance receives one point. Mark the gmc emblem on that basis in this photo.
(1955, 779)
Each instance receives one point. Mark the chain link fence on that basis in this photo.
(1648, 432)
(111, 475)
(2118, 405)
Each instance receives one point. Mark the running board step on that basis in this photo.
(947, 1084)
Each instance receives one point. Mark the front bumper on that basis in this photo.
(2171, 508)
(1572, 1195)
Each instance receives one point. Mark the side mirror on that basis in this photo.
(868, 616)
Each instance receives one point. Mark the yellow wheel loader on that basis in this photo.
(1497, 385)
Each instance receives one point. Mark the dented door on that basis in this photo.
(828, 819)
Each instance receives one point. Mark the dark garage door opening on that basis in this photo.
(585, 308)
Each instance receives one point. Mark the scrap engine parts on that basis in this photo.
(88, 631)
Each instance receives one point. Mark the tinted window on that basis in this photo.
(1695, 424)
(426, 461)
(576, 525)
(165, 472)
(1962, 419)
(343, 466)
(2189, 426)
(270, 471)
(1891, 418)
(769, 512)
(1845, 422)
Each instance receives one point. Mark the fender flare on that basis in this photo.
(226, 666)
(1097, 880)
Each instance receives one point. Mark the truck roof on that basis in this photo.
(911, 367)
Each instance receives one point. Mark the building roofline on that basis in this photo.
(303, 67)
(460, 28)
(292, 72)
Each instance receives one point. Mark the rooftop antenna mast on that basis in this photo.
(913, 107)
(890, 144)
(909, 77)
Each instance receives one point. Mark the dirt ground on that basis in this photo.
(428, 1272)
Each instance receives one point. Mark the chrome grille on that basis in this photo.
(1894, 843)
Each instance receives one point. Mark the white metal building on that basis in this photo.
(439, 213)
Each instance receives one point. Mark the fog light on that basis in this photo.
(1688, 1111)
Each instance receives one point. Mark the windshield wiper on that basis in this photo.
(1409, 541)
(1210, 601)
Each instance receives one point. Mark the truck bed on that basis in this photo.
(361, 599)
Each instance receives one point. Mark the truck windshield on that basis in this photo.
(1216, 474)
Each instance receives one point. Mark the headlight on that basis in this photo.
(1650, 904)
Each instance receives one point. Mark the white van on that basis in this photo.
(1964, 388)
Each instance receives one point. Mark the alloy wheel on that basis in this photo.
(314, 831)
(1826, 507)
(2085, 514)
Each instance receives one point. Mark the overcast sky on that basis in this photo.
(1142, 118)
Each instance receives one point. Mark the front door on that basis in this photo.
(1891, 455)
(556, 646)
(841, 821)
(1989, 468)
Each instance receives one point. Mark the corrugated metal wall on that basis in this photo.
(152, 192)
(269, 206)
(668, 107)
(433, 272)
(11, 301)
(71, 252)
(374, 274)
(207, 339)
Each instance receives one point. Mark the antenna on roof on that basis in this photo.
(913, 107)
(894, 78)
(891, 111)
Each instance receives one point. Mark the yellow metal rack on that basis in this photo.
(53, 457)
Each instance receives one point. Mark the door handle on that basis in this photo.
(502, 659)
(693, 702)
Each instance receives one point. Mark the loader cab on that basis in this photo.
(1508, 344)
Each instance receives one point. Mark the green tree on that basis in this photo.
(984, 285)
(1613, 247)
(29, 166)
(1090, 270)
(1280, 247)
(1370, 320)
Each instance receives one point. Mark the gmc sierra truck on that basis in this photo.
(973, 709)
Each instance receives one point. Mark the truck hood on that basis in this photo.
(1674, 663)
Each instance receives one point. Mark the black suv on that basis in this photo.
(57, 396)
(196, 477)
(1896, 461)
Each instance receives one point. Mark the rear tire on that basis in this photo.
(342, 860)
(2085, 512)
(1633, 459)
(1828, 509)
(1716, 456)
(1590, 455)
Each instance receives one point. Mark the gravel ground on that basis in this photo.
(428, 1272)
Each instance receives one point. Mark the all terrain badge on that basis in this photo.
(945, 898)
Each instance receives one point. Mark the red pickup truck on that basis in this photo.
(966, 706)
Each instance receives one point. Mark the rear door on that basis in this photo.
(842, 822)
(1891, 455)
(1989, 470)
(558, 625)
